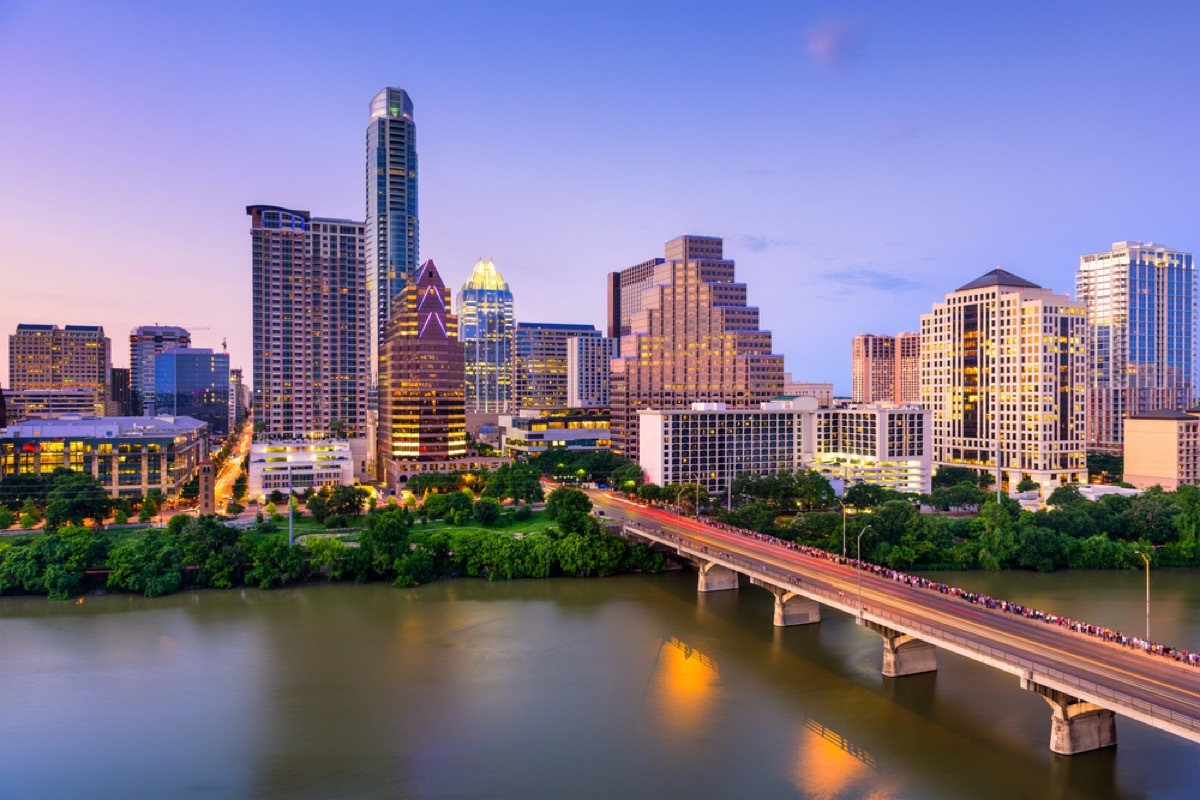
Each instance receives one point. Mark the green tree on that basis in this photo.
(74, 497)
(649, 492)
(326, 553)
(628, 478)
(151, 564)
(813, 490)
(487, 511)
(1028, 485)
(275, 564)
(947, 476)
(1065, 495)
(565, 501)
(6, 518)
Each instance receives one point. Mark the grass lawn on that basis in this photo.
(538, 522)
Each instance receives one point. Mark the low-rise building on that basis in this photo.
(1162, 448)
(299, 464)
(711, 444)
(532, 432)
(52, 403)
(129, 456)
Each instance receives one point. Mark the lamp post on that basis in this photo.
(1147, 560)
(859, 566)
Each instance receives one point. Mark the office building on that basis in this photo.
(1140, 338)
(1003, 371)
(693, 339)
(540, 362)
(119, 399)
(486, 329)
(193, 382)
(886, 369)
(145, 342)
(49, 357)
(51, 403)
(391, 229)
(823, 392)
(3, 409)
(1162, 448)
(237, 397)
(625, 290)
(711, 444)
(310, 326)
(422, 408)
(297, 464)
(532, 432)
(129, 456)
(589, 359)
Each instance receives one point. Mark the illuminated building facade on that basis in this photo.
(49, 357)
(589, 359)
(1003, 371)
(129, 456)
(145, 342)
(886, 444)
(193, 383)
(1140, 340)
(310, 325)
(540, 362)
(391, 227)
(886, 368)
(694, 339)
(533, 432)
(298, 463)
(486, 329)
(51, 403)
(422, 409)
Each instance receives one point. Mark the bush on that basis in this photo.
(120, 518)
(523, 514)
(337, 521)
(233, 509)
(487, 511)
(6, 518)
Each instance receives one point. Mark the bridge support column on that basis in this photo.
(715, 578)
(1076, 726)
(790, 608)
(903, 654)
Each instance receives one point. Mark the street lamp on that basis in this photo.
(859, 566)
(1147, 560)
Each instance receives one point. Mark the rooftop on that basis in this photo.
(998, 277)
(101, 427)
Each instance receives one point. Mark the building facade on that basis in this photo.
(1162, 448)
(823, 392)
(1003, 371)
(1140, 337)
(119, 395)
(49, 357)
(129, 456)
(540, 363)
(625, 289)
(531, 433)
(589, 359)
(486, 329)
(193, 382)
(694, 339)
(711, 444)
(392, 230)
(51, 403)
(297, 464)
(145, 342)
(310, 325)
(422, 407)
(885, 369)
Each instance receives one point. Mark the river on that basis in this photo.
(627, 687)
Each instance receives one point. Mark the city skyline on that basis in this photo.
(870, 157)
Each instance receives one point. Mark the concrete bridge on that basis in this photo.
(1085, 680)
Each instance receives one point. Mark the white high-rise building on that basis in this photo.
(1003, 371)
(1141, 344)
(589, 359)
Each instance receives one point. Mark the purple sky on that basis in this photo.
(860, 159)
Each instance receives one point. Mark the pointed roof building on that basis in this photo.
(486, 326)
(999, 277)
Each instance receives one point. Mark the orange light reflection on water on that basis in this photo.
(685, 686)
(828, 766)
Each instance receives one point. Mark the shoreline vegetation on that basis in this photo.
(447, 525)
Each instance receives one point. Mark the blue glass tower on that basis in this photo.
(193, 383)
(485, 327)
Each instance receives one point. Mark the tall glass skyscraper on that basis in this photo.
(1140, 343)
(485, 315)
(391, 185)
(193, 383)
(146, 342)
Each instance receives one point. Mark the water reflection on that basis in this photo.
(830, 766)
(685, 687)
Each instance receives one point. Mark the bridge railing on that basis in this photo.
(1042, 669)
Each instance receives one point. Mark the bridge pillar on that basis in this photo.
(715, 578)
(790, 608)
(1076, 726)
(903, 654)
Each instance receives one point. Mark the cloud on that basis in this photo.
(831, 43)
(759, 244)
(872, 280)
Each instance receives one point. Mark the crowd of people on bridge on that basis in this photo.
(1106, 634)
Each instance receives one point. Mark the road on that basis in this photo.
(233, 466)
(1147, 679)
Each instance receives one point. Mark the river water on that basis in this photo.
(627, 687)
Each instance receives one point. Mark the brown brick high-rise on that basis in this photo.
(693, 339)
(422, 398)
